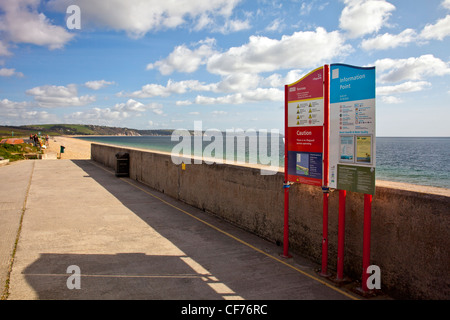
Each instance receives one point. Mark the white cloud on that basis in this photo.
(183, 103)
(183, 59)
(233, 26)
(391, 100)
(230, 99)
(361, 17)
(396, 70)
(276, 25)
(264, 94)
(406, 87)
(5, 72)
(262, 54)
(277, 81)
(245, 87)
(389, 41)
(260, 94)
(136, 106)
(19, 113)
(158, 111)
(437, 31)
(203, 21)
(138, 17)
(147, 91)
(22, 23)
(4, 49)
(6, 104)
(446, 4)
(119, 112)
(98, 84)
(34, 117)
(102, 115)
(238, 82)
(306, 8)
(50, 96)
(219, 113)
(172, 87)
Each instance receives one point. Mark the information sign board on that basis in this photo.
(352, 128)
(304, 132)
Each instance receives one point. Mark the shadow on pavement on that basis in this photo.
(215, 266)
(130, 276)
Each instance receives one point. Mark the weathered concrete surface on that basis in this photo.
(132, 242)
(410, 230)
(14, 183)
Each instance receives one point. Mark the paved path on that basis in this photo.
(14, 184)
(131, 242)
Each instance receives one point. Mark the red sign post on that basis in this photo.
(325, 189)
(306, 135)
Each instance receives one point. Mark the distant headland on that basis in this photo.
(78, 130)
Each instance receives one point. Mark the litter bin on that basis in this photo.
(122, 164)
(61, 149)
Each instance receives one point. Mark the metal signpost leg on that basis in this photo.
(341, 235)
(325, 189)
(324, 271)
(286, 222)
(366, 239)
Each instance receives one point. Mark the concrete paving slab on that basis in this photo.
(14, 183)
(131, 242)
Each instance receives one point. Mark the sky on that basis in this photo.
(152, 64)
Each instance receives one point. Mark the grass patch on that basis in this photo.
(15, 152)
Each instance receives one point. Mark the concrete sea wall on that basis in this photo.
(410, 230)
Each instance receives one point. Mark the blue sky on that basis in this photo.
(151, 64)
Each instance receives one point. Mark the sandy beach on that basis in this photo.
(74, 148)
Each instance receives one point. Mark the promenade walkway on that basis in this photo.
(131, 242)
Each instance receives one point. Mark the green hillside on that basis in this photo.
(74, 129)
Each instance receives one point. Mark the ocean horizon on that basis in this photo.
(414, 160)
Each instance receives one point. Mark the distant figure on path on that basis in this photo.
(36, 140)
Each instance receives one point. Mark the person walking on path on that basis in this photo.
(36, 140)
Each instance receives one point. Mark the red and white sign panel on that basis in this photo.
(304, 128)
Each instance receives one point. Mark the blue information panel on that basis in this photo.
(349, 83)
(352, 128)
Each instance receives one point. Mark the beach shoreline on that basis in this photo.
(78, 149)
(74, 149)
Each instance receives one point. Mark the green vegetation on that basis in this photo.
(159, 132)
(15, 152)
(75, 129)
(22, 131)
(61, 129)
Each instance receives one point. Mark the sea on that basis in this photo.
(415, 160)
